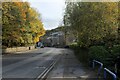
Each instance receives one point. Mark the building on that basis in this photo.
(55, 39)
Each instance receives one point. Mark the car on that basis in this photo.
(66, 46)
(40, 44)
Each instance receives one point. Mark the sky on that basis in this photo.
(51, 11)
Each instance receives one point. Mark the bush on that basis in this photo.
(115, 50)
(98, 53)
(114, 54)
(80, 52)
(73, 45)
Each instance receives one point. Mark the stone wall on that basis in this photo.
(17, 49)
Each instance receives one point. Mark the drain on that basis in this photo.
(40, 67)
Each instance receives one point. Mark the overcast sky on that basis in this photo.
(51, 11)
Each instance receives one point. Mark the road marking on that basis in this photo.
(47, 70)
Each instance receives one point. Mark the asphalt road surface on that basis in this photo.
(29, 65)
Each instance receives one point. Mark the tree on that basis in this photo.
(92, 21)
(21, 24)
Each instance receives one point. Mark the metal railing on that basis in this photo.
(100, 68)
(111, 73)
(105, 70)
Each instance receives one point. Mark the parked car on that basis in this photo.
(39, 44)
(66, 46)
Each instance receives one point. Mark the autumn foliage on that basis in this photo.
(21, 24)
(93, 22)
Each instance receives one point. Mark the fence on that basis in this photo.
(106, 71)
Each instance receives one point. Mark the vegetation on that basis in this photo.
(96, 27)
(98, 53)
(92, 22)
(21, 24)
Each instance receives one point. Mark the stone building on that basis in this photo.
(55, 39)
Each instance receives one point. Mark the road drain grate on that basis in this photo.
(40, 67)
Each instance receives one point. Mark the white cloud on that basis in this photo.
(51, 11)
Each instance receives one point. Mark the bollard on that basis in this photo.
(29, 48)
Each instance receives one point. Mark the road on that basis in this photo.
(29, 65)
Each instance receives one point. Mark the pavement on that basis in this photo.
(69, 68)
(29, 65)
